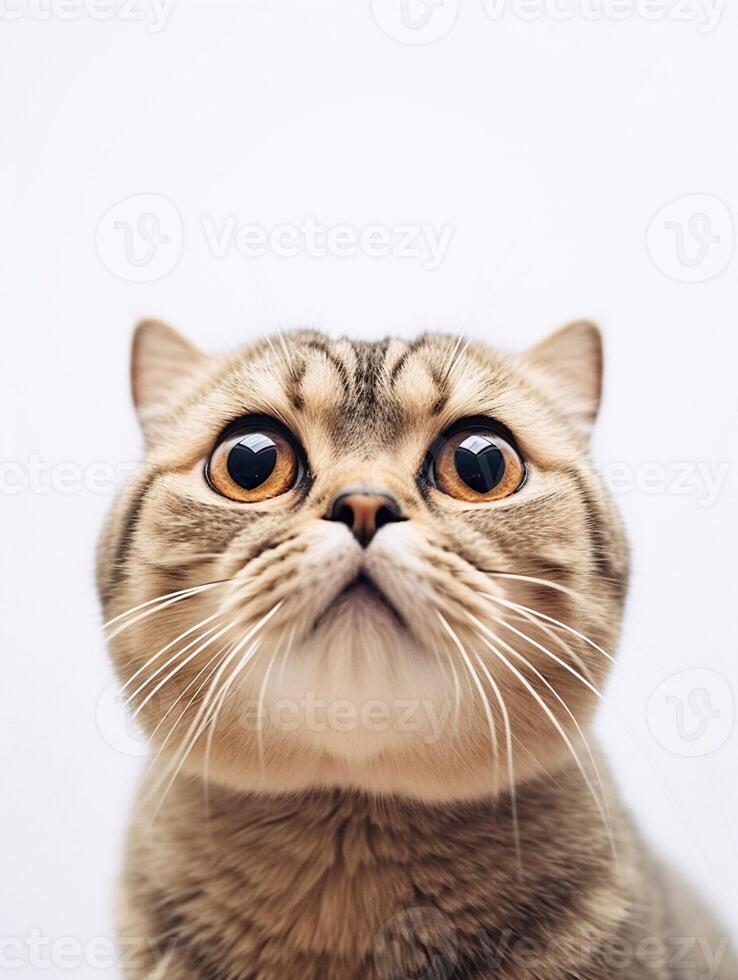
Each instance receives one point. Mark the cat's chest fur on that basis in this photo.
(335, 886)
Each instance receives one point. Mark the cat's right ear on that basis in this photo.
(162, 363)
(569, 364)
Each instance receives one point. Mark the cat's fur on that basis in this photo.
(471, 833)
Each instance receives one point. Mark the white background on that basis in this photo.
(548, 146)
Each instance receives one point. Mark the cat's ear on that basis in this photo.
(569, 362)
(162, 363)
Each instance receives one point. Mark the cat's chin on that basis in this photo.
(357, 687)
(358, 606)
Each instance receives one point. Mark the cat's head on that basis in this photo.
(378, 565)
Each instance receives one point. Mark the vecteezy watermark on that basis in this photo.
(417, 942)
(425, 719)
(141, 238)
(36, 475)
(699, 479)
(691, 239)
(422, 943)
(116, 723)
(417, 22)
(375, 715)
(153, 14)
(704, 13)
(37, 950)
(692, 713)
(311, 238)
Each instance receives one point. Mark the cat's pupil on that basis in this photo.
(479, 463)
(252, 460)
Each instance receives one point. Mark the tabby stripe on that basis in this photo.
(402, 359)
(128, 529)
(293, 387)
(596, 523)
(339, 366)
(442, 384)
(368, 371)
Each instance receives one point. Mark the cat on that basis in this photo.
(362, 596)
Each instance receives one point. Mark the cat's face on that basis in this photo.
(401, 545)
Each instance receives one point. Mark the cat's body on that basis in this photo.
(339, 886)
(390, 588)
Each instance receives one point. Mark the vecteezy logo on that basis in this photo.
(692, 238)
(416, 944)
(140, 239)
(692, 712)
(415, 21)
(116, 725)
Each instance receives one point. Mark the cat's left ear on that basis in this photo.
(569, 363)
(163, 362)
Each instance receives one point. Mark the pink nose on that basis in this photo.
(365, 513)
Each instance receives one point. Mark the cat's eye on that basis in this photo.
(476, 463)
(254, 461)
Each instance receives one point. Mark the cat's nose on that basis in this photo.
(365, 511)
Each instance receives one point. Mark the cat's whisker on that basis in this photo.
(519, 656)
(501, 621)
(163, 602)
(288, 650)
(536, 761)
(149, 602)
(225, 690)
(550, 619)
(180, 697)
(480, 688)
(196, 728)
(548, 630)
(449, 660)
(226, 650)
(183, 593)
(260, 703)
(287, 355)
(457, 352)
(457, 691)
(284, 355)
(547, 583)
(508, 748)
(183, 663)
(170, 660)
(219, 655)
(212, 718)
(554, 721)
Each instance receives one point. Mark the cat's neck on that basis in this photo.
(341, 873)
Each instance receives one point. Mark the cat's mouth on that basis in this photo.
(360, 589)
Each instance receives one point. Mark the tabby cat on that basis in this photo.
(362, 597)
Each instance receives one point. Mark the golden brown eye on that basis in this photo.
(254, 463)
(476, 464)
